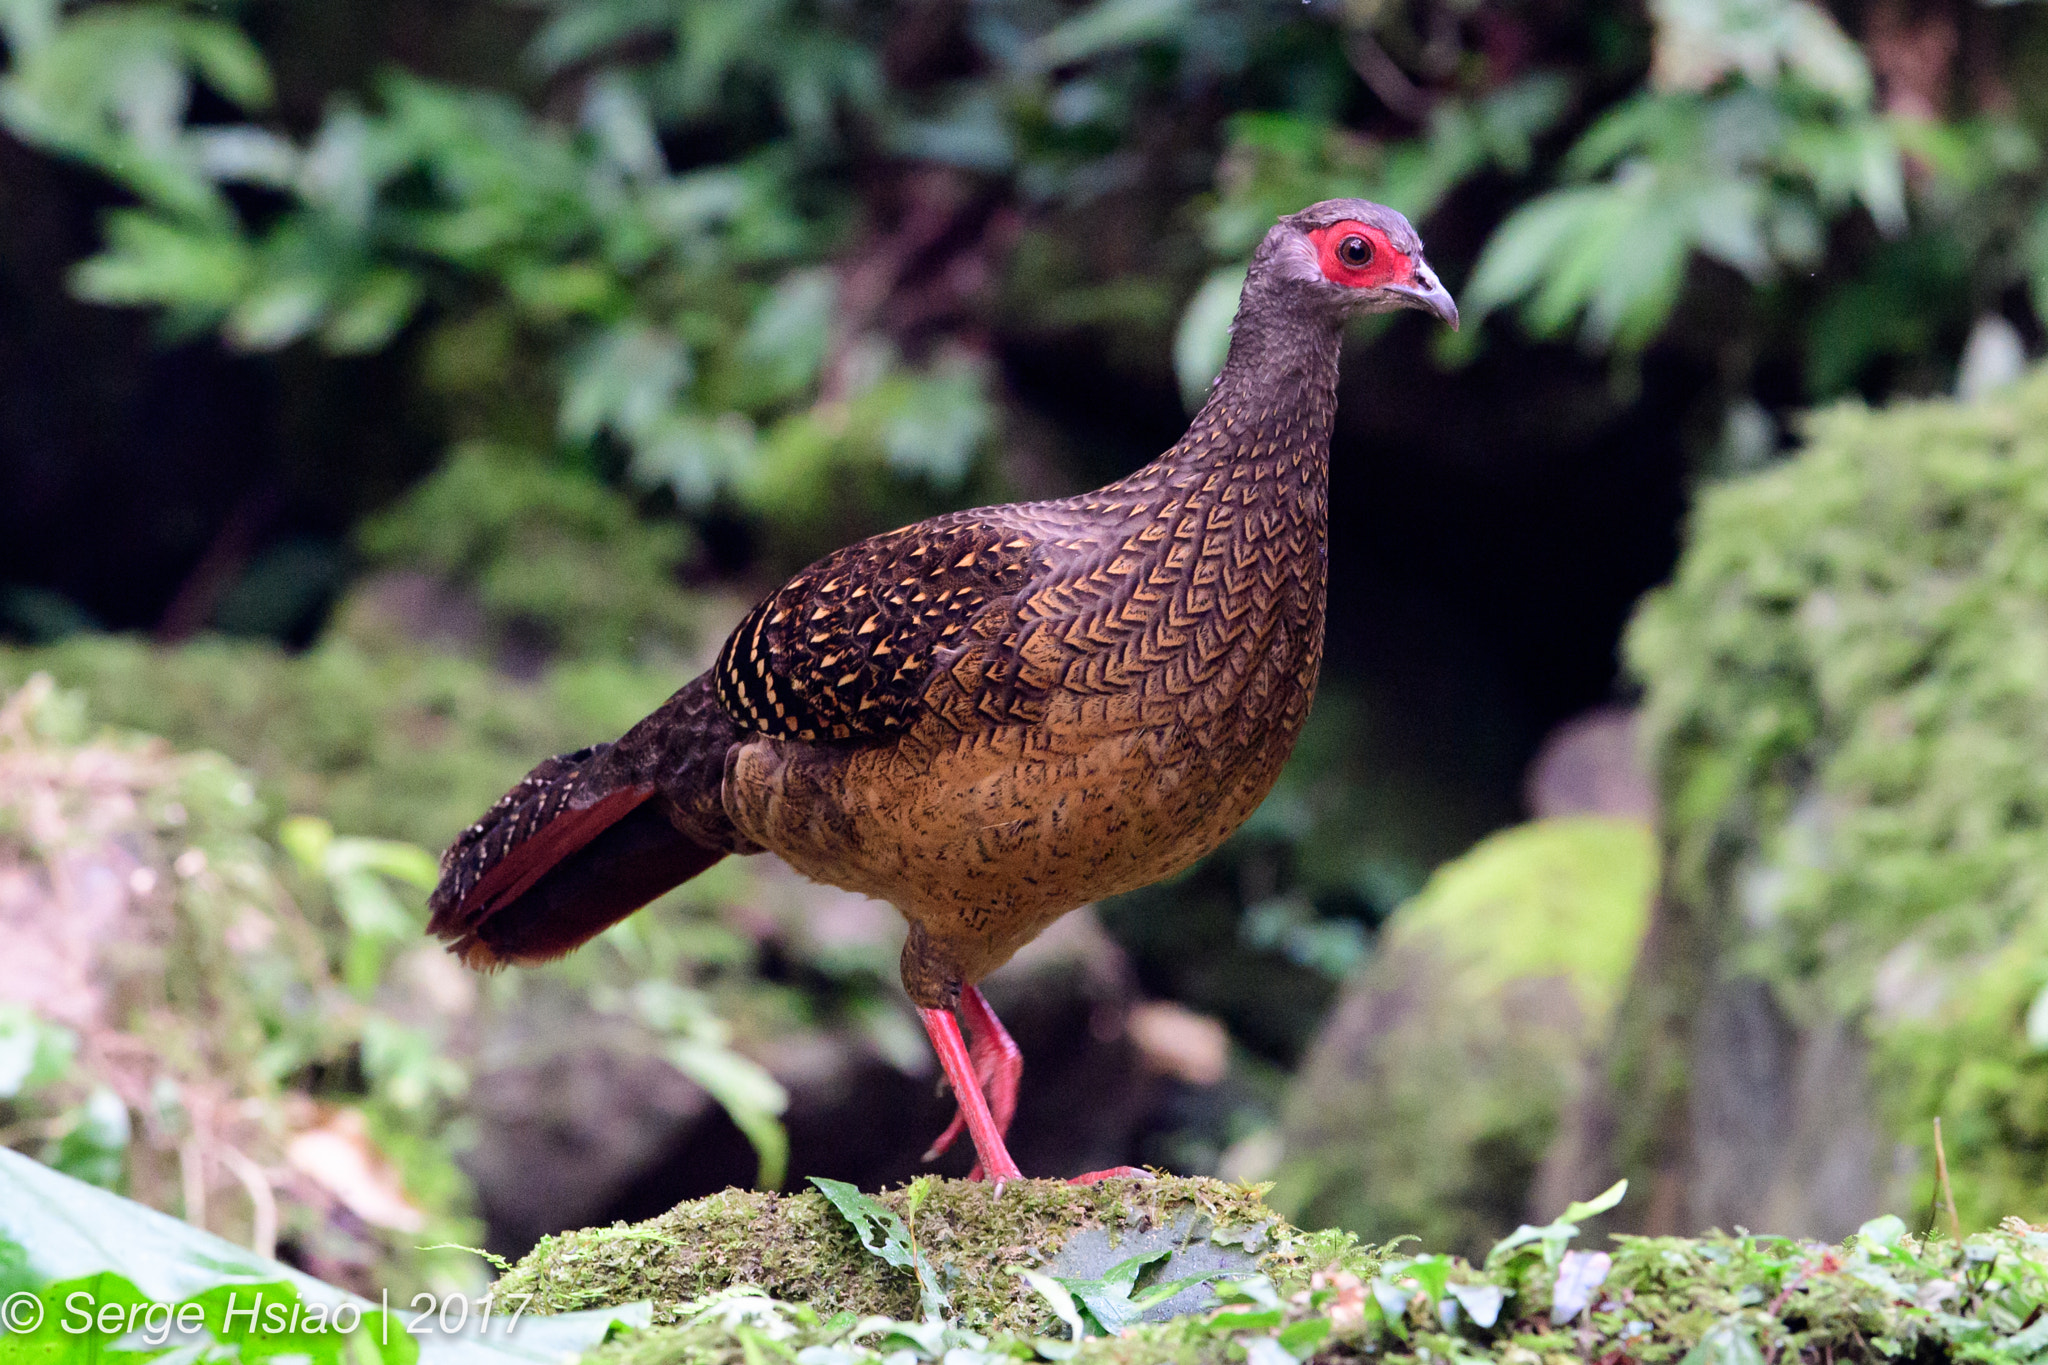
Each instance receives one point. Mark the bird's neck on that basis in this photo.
(1266, 424)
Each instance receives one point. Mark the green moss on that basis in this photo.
(402, 743)
(1848, 704)
(798, 1248)
(1438, 1084)
(554, 558)
(1554, 898)
(1881, 1296)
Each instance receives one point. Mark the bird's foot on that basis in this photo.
(998, 1066)
(945, 1140)
(1113, 1173)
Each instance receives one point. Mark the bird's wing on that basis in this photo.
(847, 649)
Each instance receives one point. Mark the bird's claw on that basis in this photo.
(945, 1140)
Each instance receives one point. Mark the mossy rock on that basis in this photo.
(1883, 1295)
(1847, 709)
(1436, 1087)
(798, 1248)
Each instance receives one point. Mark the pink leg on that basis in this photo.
(998, 1065)
(959, 1068)
(985, 1082)
(997, 1058)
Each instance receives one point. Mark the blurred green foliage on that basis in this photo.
(578, 292)
(554, 562)
(1847, 686)
(196, 1003)
(404, 744)
(663, 248)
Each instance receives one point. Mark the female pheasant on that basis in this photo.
(993, 717)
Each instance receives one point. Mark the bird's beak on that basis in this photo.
(1423, 291)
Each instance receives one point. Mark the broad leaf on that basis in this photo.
(69, 1238)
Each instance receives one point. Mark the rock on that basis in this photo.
(1844, 705)
(797, 1247)
(1591, 765)
(1433, 1093)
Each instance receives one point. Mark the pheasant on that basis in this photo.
(993, 717)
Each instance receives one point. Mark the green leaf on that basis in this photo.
(1520, 253)
(1611, 1197)
(226, 59)
(748, 1094)
(371, 311)
(1728, 1342)
(151, 260)
(935, 422)
(72, 1238)
(278, 312)
(1300, 1339)
(786, 339)
(889, 1237)
(625, 379)
(1699, 42)
(1433, 1273)
(408, 1064)
(1113, 1299)
(393, 858)
(880, 1230)
(696, 457)
(1056, 1295)
(33, 1053)
(1106, 26)
(1481, 1302)
(94, 1143)
(1883, 1232)
(28, 24)
(1202, 342)
(1554, 1237)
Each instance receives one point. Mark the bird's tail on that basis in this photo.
(585, 839)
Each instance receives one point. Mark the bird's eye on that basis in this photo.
(1355, 251)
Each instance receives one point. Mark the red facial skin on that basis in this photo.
(1387, 266)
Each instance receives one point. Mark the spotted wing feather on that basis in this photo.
(847, 648)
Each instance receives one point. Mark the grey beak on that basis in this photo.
(1429, 296)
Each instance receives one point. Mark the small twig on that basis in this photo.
(1777, 1306)
(262, 1200)
(192, 1176)
(1948, 1195)
(1785, 1294)
(1385, 78)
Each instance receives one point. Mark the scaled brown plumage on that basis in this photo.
(992, 717)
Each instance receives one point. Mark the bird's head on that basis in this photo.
(1352, 256)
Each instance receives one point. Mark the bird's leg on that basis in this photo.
(994, 1158)
(997, 1058)
(988, 1092)
(998, 1065)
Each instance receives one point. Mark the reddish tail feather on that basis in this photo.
(584, 840)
